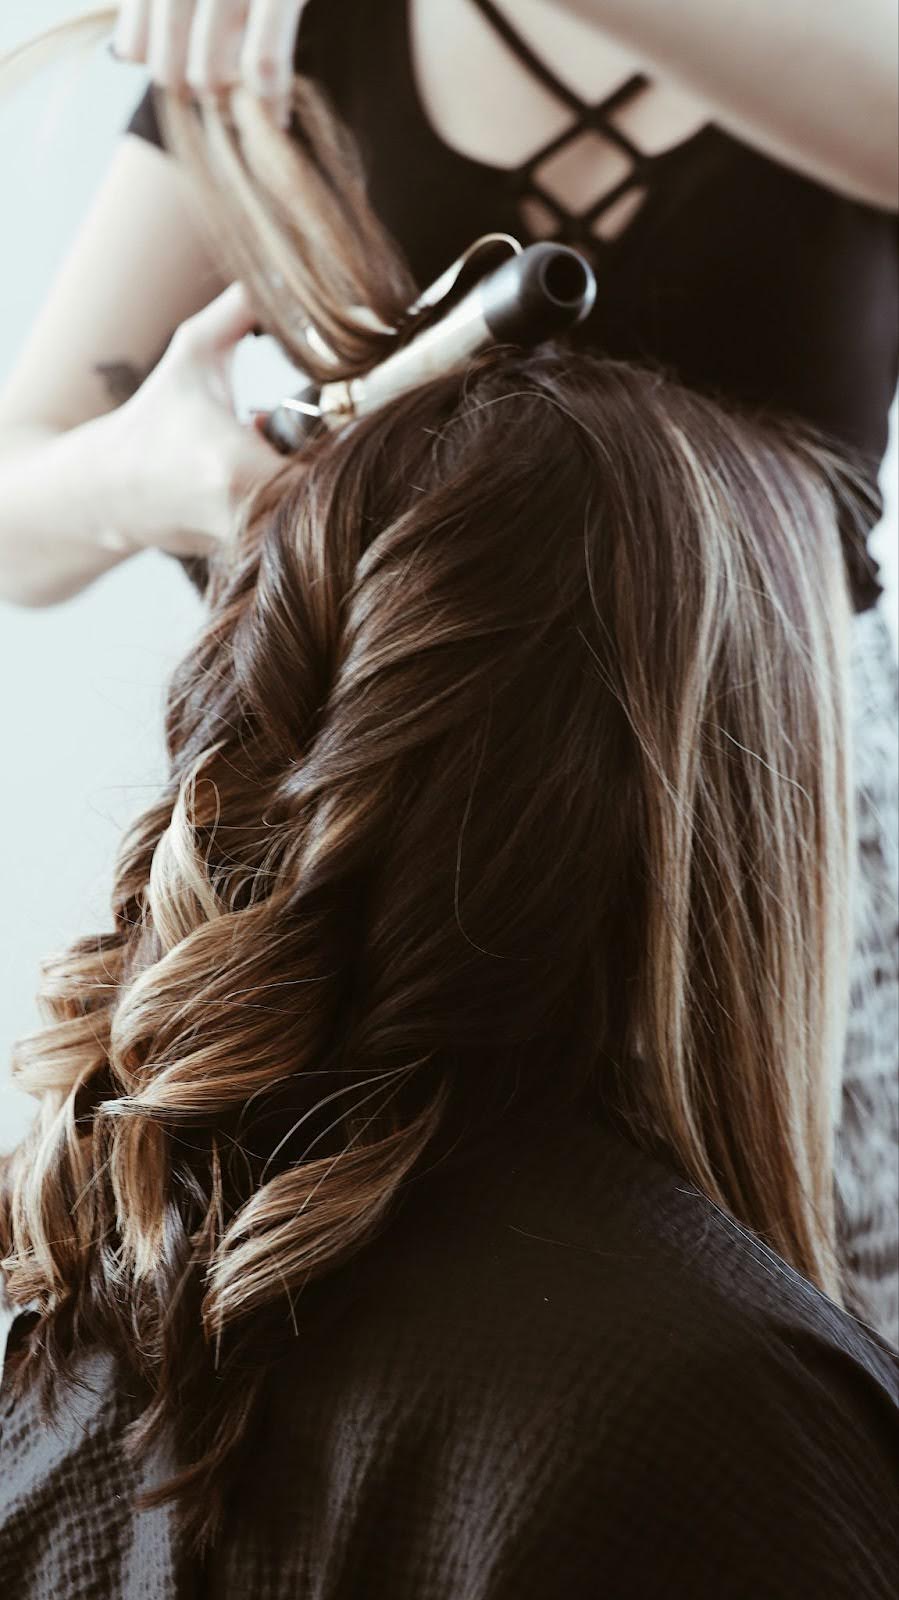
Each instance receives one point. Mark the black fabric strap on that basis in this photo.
(525, 54)
(568, 135)
(588, 117)
(589, 114)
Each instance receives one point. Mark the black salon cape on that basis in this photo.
(559, 1374)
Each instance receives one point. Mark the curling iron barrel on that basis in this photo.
(541, 292)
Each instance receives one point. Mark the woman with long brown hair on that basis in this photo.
(432, 1188)
(732, 174)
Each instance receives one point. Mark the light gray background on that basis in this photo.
(81, 685)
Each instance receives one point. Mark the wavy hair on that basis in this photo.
(511, 758)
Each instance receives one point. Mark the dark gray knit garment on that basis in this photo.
(559, 1374)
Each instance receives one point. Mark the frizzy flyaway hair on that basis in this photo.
(511, 755)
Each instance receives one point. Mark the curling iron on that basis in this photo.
(541, 291)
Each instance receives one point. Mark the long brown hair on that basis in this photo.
(512, 753)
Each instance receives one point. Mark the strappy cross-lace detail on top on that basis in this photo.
(544, 211)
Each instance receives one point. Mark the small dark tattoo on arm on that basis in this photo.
(123, 378)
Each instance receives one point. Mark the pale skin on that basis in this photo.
(105, 448)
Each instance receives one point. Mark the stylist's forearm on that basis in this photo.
(62, 523)
(811, 82)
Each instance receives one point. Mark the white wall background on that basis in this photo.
(81, 685)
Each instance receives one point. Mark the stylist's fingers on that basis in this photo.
(208, 45)
(213, 332)
(205, 344)
(267, 58)
(216, 42)
(131, 40)
(170, 29)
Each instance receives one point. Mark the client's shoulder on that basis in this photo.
(559, 1363)
(565, 1209)
(558, 1259)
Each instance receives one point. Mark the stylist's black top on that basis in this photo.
(560, 1373)
(737, 274)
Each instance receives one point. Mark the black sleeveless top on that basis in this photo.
(736, 274)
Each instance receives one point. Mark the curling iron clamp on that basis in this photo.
(536, 293)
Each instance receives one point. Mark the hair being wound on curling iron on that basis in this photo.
(540, 292)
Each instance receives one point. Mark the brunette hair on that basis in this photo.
(511, 755)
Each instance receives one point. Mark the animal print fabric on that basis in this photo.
(867, 1153)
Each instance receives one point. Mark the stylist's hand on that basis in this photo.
(180, 459)
(208, 45)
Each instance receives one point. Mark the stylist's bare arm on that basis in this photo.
(166, 469)
(104, 449)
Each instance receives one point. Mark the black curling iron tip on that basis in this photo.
(566, 279)
(544, 291)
